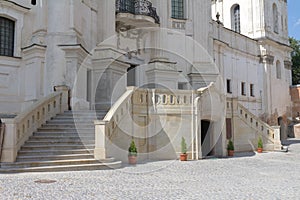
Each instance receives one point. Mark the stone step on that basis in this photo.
(68, 125)
(77, 114)
(62, 137)
(65, 129)
(51, 163)
(27, 158)
(60, 142)
(97, 166)
(85, 112)
(54, 152)
(79, 117)
(64, 143)
(71, 121)
(63, 134)
(56, 146)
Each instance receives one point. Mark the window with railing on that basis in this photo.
(178, 9)
(137, 7)
(7, 34)
(125, 6)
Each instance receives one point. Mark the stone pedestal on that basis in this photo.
(100, 140)
(203, 74)
(162, 73)
(109, 77)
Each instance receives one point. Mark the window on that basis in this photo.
(252, 90)
(278, 70)
(7, 32)
(235, 19)
(228, 128)
(228, 85)
(178, 9)
(243, 89)
(275, 18)
(182, 86)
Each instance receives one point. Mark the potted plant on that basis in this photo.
(259, 145)
(132, 153)
(183, 155)
(230, 148)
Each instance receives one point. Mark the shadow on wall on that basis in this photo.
(157, 147)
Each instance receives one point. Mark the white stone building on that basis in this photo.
(98, 47)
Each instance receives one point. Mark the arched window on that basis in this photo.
(7, 33)
(278, 70)
(235, 18)
(275, 18)
(178, 9)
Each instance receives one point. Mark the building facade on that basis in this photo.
(98, 47)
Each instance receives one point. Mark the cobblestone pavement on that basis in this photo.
(272, 175)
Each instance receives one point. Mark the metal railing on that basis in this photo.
(137, 7)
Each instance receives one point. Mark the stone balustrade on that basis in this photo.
(20, 128)
(270, 135)
(133, 112)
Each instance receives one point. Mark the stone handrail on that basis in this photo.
(104, 129)
(20, 128)
(265, 130)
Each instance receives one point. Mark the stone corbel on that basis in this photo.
(288, 64)
(269, 59)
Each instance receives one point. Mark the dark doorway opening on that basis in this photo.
(131, 80)
(206, 147)
(282, 128)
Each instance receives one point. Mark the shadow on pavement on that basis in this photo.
(290, 141)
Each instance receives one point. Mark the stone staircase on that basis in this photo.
(270, 137)
(64, 143)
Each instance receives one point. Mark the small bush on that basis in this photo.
(230, 145)
(132, 149)
(260, 143)
(183, 146)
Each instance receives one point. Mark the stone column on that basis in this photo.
(57, 33)
(267, 61)
(161, 71)
(107, 21)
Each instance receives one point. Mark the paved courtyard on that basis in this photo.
(273, 175)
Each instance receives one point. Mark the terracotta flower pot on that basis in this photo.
(259, 150)
(183, 157)
(230, 153)
(132, 160)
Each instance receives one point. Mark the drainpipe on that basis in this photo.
(197, 126)
(193, 126)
